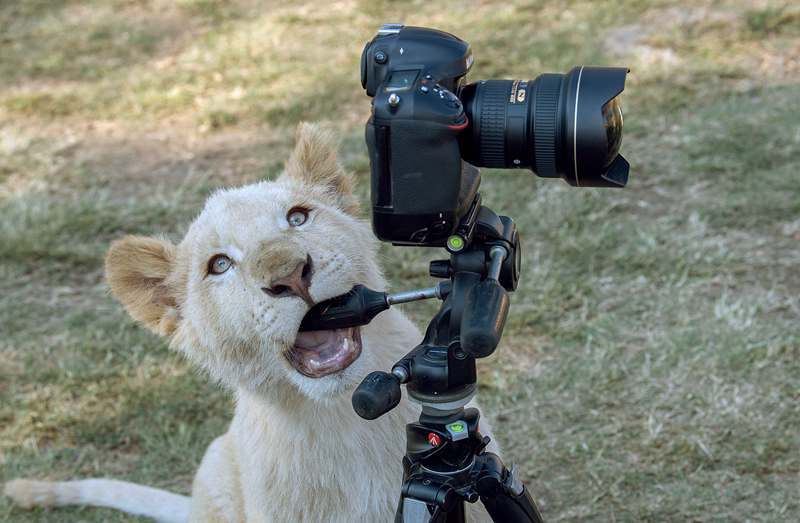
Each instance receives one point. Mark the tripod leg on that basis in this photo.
(415, 511)
(505, 497)
(429, 500)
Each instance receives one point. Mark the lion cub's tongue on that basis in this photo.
(320, 353)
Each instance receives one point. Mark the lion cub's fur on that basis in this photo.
(295, 450)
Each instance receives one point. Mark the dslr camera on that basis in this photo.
(429, 131)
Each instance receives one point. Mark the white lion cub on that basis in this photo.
(231, 297)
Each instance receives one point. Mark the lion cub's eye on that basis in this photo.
(219, 264)
(297, 217)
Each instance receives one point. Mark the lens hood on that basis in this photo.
(585, 140)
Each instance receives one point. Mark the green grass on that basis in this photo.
(649, 368)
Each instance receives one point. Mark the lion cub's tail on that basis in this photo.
(160, 505)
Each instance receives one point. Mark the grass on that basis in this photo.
(648, 371)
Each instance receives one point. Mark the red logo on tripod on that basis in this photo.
(433, 439)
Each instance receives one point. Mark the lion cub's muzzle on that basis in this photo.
(296, 283)
(320, 353)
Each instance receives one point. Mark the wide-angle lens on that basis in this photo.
(557, 125)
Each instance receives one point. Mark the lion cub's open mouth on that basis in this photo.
(320, 353)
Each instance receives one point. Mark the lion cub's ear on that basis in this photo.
(315, 161)
(137, 270)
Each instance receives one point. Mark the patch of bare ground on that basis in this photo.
(655, 39)
(773, 273)
(175, 155)
(131, 161)
(171, 27)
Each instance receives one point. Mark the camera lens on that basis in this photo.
(557, 125)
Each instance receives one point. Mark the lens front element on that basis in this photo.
(612, 118)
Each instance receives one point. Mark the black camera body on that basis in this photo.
(429, 130)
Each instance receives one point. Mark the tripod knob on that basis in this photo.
(440, 269)
(378, 394)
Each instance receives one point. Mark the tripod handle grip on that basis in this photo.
(353, 309)
(484, 318)
(378, 394)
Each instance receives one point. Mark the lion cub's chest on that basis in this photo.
(330, 466)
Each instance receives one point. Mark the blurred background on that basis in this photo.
(649, 369)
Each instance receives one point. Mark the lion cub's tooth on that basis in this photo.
(313, 363)
(346, 344)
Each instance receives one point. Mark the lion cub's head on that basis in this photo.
(233, 293)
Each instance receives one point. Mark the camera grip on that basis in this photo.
(425, 165)
(419, 182)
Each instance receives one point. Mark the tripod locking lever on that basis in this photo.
(483, 318)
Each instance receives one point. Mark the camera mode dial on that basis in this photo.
(449, 99)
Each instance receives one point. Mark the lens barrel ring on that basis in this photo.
(493, 123)
(544, 124)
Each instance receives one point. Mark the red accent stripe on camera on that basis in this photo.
(460, 127)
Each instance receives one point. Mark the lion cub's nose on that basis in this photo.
(294, 284)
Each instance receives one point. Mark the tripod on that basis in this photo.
(446, 462)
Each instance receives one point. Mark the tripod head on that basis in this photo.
(446, 462)
(439, 373)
